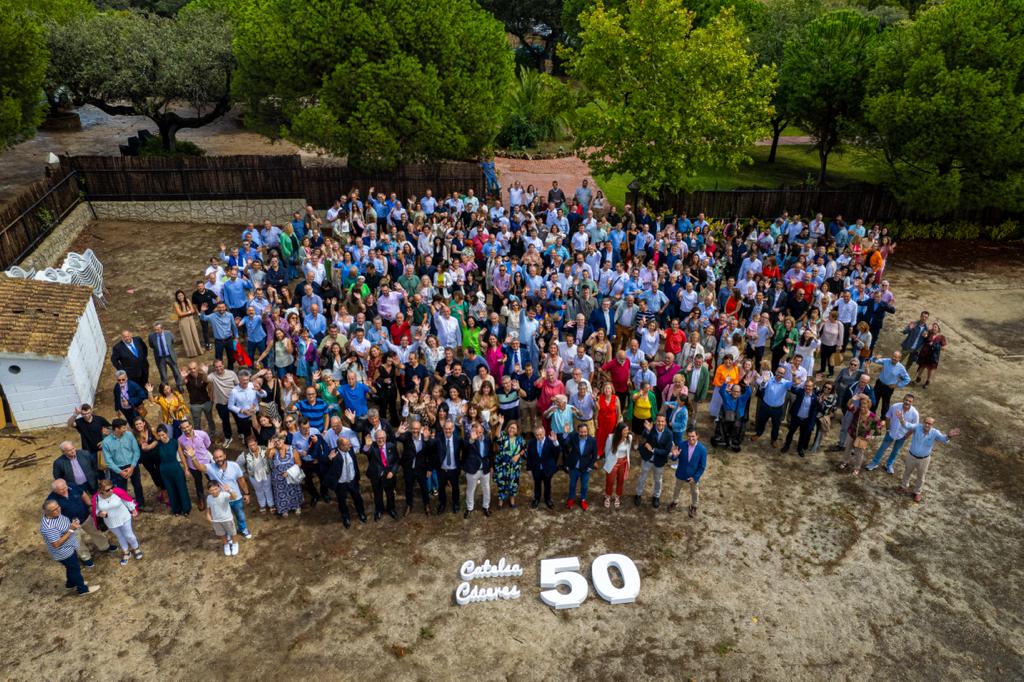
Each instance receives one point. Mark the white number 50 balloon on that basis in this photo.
(600, 576)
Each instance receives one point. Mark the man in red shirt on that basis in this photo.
(674, 338)
(549, 386)
(618, 369)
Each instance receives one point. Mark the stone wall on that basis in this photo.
(240, 211)
(50, 252)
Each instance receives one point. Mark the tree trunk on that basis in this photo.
(167, 132)
(823, 157)
(777, 126)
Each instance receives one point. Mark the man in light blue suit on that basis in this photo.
(693, 459)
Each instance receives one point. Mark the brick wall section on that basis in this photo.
(221, 212)
(50, 252)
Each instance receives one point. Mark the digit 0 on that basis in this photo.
(601, 577)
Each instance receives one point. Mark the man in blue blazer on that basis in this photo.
(693, 459)
(602, 318)
(542, 461)
(580, 455)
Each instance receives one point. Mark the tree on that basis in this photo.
(22, 70)
(527, 19)
(397, 81)
(826, 71)
(779, 23)
(131, 64)
(946, 99)
(670, 101)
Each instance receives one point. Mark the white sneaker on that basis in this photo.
(234, 548)
(227, 549)
(227, 442)
(247, 535)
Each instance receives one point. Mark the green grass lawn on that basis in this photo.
(794, 165)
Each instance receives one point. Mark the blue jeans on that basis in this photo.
(238, 509)
(895, 451)
(73, 571)
(431, 481)
(584, 479)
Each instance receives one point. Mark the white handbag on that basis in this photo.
(295, 474)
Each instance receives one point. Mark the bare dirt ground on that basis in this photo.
(792, 571)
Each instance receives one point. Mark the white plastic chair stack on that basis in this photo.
(19, 273)
(85, 269)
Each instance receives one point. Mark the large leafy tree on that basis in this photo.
(128, 63)
(378, 82)
(780, 23)
(826, 72)
(529, 20)
(22, 70)
(669, 99)
(946, 99)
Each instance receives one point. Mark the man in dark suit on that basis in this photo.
(693, 460)
(580, 455)
(130, 356)
(654, 452)
(542, 462)
(493, 328)
(602, 318)
(516, 357)
(776, 301)
(449, 465)
(803, 415)
(381, 468)
(162, 343)
(477, 458)
(128, 396)
(417, 455)
(343, 476)
(77, 467)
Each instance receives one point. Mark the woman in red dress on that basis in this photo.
(609, 413)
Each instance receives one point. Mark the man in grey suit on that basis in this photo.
(76, 466)
(162, 343)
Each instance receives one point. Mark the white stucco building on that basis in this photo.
(52, 350)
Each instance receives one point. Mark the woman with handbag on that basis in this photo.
(286, 477)
(117, 509)
(865, 425)
(862, 343)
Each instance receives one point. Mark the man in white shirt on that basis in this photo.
(244, 402)
(847, 308)
(231, 479)
(901, 419)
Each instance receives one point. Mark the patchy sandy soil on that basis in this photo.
(792, 572)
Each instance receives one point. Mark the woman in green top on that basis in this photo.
(172, 472)
(471, 335)
(784, 341)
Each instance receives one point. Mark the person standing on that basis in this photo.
(580, 456)
(693, 461)
(343, 476)
(864, 425)
(417, 458)
(59, 534)
(172, 472)
(218, 513)
(803, 415)
(230, 478)
(130, 356)
(117, 513)
(76, 505)
(287, 493)
(194, 442)
(254, 464)
(901, 418)
(450, 455)
(923, 438)
(931, 350)
(188, 327)
(121, 456)
(244, 403)
(894, 375)
(224, 332)
(773, 403)
(476, 463)
(617, 448)
(91, 427)
(128, 396)
(508, 463)
(162, 343)
(542, 462)
(382, 467)
(654, 453)
(915, 336)
(222, 382)
(76, 466)
(198, 392)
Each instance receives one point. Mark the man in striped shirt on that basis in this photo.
(59, 534)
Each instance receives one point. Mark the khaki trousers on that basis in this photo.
(472, 481)
(915, 467)
(97, 538)
(694, 491)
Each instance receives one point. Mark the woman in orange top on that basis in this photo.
(674, 338)
(728, 373)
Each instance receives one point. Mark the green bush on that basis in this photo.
(537, 104)
(517, 133)
(153, 147)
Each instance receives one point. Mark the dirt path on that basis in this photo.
(792, 572)
(569, 171)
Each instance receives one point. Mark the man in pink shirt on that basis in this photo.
(618, 368)
(549, 386)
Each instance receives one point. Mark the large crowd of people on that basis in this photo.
(455, 343)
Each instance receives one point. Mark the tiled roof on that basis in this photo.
(39, 318)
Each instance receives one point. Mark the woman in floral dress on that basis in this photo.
(287, 495)
(508, 463)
